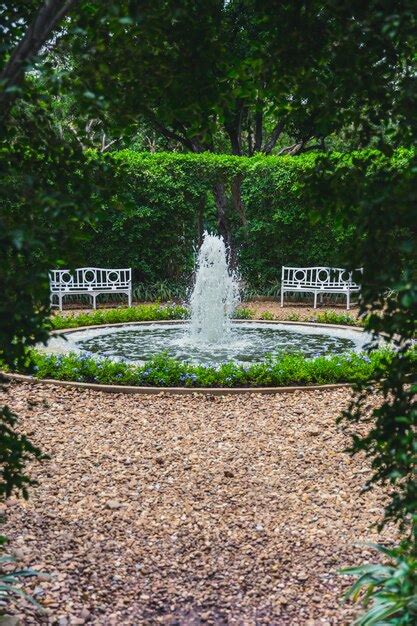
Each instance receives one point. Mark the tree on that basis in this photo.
(196, 72)
(26, 29)
(384, 210)
(46, 193)
(236, 76)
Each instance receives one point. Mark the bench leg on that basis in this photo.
(94, 301)
(60, 302)
(282, 297)
(347, 301)
(129, 298)
(315, 299)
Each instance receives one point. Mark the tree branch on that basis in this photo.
(76, 135)
(49, 15)
(273, 138)
(170, 134)
(294, 149)
(258, 130)
(105, 146)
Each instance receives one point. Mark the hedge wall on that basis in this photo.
(157, 205)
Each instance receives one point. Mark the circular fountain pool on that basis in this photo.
(247, 342)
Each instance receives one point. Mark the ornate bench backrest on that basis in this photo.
(319, 277)
(90, 278)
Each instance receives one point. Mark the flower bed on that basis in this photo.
(161, 312)
(140, 313)
(164, 371)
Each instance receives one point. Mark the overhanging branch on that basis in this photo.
(49, 15)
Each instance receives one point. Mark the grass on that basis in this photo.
(164, 371)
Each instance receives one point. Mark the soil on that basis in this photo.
(296, 312)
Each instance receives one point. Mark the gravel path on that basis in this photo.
(190, 510)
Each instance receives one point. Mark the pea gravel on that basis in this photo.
(191, 510)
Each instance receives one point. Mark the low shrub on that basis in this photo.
(387, 591)
(267, 315)
(11, 579)
(164, 371)
(155, 207)
(332, 317)
(293, 317)
(140, 313)
(162, 291)
(243, 313)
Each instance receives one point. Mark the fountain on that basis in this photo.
(210, 336)
(215, 294)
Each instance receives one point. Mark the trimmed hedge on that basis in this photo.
(156, 206)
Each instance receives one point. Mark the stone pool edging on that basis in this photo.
(216, 391)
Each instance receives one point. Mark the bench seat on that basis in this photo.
(90, 281)
(318, 281)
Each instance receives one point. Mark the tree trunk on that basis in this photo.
(258, 131)
(200, 220)
(221, 206)
(237, 199)
(272, 140)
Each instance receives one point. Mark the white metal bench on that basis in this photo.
(318, 280)
(90, 281)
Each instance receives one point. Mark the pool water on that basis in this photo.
(246, 342)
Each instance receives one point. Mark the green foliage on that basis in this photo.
(156, 207)
(262, 288)
(46, 193)
(140, 313)
(207, 75)
(390, 442)
(267, 315)
(293, 317)
(242, 313)
(377, 194)
(163, 371)
(163, 291)
(389, 592)
(332, 317)
(15, 451)
(11, 580)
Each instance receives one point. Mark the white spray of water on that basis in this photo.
(215, 294)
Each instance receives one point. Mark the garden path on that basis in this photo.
(171, 510)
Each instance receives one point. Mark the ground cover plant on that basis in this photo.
(140, 313)
(161, 312)
(331, 317)
(164, 371)
(388, 591)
